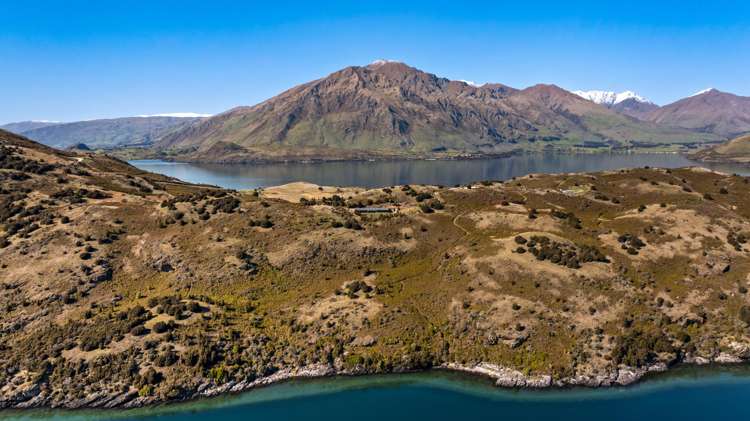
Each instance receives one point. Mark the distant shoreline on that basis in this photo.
(122, 154)
(413, 159)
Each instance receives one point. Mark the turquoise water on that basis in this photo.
(389, 173)
(685, 394)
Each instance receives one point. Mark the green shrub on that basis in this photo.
(421, 197)
(425, 208)
(639, 348)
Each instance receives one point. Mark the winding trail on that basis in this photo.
(455, 223)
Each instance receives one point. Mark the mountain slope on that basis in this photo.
(107, 133)
(634, 108)
(24, 126)
(736, 150)
(709, 111)
(391, 109)
(383, 108)
(556, 110)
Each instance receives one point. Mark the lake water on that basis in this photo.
(686, 394)
(389, 173)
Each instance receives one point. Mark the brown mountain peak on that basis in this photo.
(389, 108)
(711, 110)
(386, 65)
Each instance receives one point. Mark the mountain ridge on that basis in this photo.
(388, 109)
(18, 127)
(392, 109)
(710, 110)
(102, 133)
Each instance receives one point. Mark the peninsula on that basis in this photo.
(123, 288)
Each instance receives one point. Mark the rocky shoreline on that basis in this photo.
(503, 377)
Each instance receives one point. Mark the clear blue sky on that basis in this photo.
(71, 60)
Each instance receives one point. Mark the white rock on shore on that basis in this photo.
(316, 370)
(505, 377)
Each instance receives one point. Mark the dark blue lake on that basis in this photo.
(388, 173)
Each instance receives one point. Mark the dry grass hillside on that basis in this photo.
(121, 287)
(736, 150)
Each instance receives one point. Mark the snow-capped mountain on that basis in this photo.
(627, 102)
(177, 115)
(610, 98)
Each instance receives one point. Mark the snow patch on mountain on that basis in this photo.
(705, 91)
(610, 98)
(179, 115)
(471, 83)
(382, 61)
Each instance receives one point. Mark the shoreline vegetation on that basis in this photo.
(124, 288)
(502, 378)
